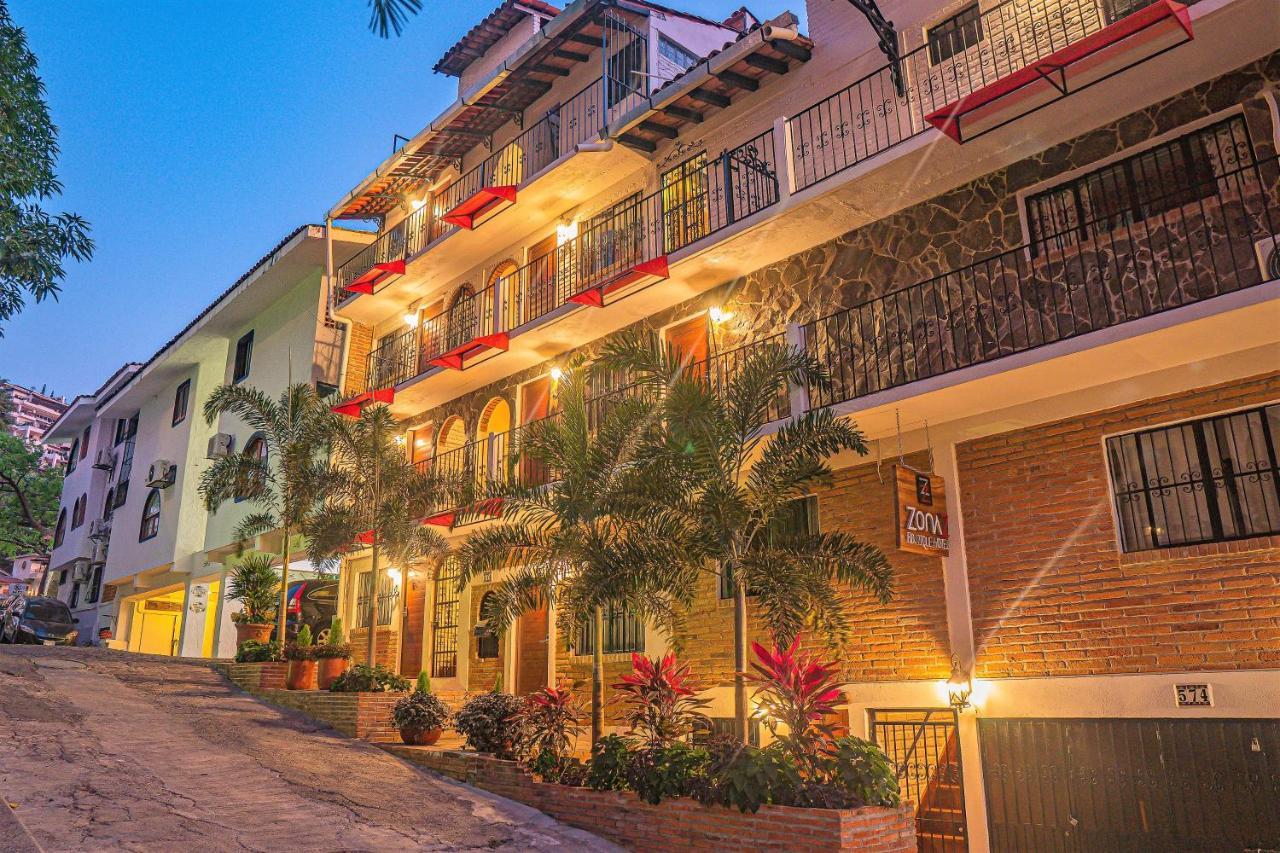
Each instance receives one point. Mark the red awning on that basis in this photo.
(352, 408)
(485, 202)
(376, 275)
(594, 295)
(455, 359)
(1150, 31)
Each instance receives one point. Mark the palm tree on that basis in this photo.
(374, 495)
(601, 535)
(285, 485)
(744, 483)
(388, 16)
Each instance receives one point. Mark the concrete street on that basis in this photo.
(108, 751)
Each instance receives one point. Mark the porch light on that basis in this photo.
(959, 686)
(417, 203)
(411, 319)
(719, 315)
(556, 374)
(394, 575)
(565, 231)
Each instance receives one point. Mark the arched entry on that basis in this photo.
(503, 299)
(493, 435)
(463, 320)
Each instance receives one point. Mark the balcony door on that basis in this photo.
(536, 403)
(690, 341)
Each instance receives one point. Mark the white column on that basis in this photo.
(798, 393)
(184, 621)
(218, 610)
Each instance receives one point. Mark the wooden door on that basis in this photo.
(535, 403)
(415, 619)
(689, 341)
(531, 652)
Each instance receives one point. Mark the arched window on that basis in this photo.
(463, 323)
(504, 297)
(150, 516)
(256, 449)
(453, 434)
(74, 456)
(108, 506)
(486, 642)
(77, 511)
(60, 530)
(493, 433)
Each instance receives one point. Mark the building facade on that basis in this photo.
(30, 414)
(1035, 245)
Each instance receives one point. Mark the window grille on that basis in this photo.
(444, 622)
(388, 596)
(953, 35)
(623, 632)
(798, 517)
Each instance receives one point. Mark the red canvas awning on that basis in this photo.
(455, 359)
(441, 519)
(376, 275)
(352, 408)
(485, 202)
(1150, 31)
(594, 295)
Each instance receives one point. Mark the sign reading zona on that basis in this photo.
(921, 508)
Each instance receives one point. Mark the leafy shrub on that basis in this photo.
(796, 690)
(255, 583)
(301, 647)
(550, 767)
(363, 678)
(610, 760)
(254, 651)
(661, 699)
(746, 777)
(336, 635)
(490, 723)
(420, 711)
(332, 650)
(550, 720)
(864, 770)
(662, 772)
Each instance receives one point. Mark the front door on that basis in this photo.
(924, 749)
(535, 404)
(531, 652)
(414, 616)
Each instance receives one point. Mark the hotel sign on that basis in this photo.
(921, 513)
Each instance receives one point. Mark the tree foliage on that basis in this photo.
(34, 243)
(29, 496)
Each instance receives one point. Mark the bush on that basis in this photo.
(661, 772)
(420, 711)
(610, 760)
(661, 699)
(747, 777)
(490, 723)
(550, 721)
(550, 767)
(363, 678)
(254, 651)
(332, 650)
(862, 769)
(255, 583)
(301, 647)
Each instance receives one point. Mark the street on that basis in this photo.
(110, 751)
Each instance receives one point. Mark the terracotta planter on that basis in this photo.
(328, 671)
(420, 737)
(302, 675)
(253, 631)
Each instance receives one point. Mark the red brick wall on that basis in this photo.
(1053, 595)
(680, 824)
(359, 345)
(386, 647)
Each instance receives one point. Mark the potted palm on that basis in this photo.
(420, 716)
(332, 656)
(254, 583)
(301, 655)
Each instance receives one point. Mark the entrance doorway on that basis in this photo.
(531, 651)
(924, 749)
(156, 624)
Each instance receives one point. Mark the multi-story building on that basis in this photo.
(29, 416)
(135, 551)
(23, 575)
(1035, 245)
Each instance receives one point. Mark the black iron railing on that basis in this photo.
(870, 116)
(1100, 273)
(393, 360)
(390, 246)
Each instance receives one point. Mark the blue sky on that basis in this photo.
(196, 134)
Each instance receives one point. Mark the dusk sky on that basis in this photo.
(195, 135)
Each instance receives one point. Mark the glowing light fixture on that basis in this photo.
(411, 319)
(394, 575)
(959, 686)
(417, 203)
(556, 374)
(719, 315)
(565, 231)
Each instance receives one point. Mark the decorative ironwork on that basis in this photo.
(444, 620)
(887, 37)
(923, 747)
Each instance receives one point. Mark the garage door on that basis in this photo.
(1100, 785)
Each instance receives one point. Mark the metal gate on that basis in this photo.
(924, 748)
(444, 620)
(1100, 785)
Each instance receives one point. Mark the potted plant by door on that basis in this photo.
(420, 716)
(256, 585)
(301, 655)
(333, 656)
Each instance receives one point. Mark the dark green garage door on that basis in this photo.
(1132, 785)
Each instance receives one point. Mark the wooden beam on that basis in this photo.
(686, 114)
(741, 81)
(549, 69)
(570, 54)
(583, 38)
(638, 143)
(791, 49)
(659, 129)
(768, 63)
(710, 98)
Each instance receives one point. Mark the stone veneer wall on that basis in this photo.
(679, 824)
(1051, 592)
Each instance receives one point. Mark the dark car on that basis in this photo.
(38, 620)
(313, 603)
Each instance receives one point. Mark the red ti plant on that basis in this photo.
(797, 690)
(661, 699)
(551, 721)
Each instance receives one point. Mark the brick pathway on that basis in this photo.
(108, 751)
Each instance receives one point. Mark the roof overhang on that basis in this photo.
(489, 32)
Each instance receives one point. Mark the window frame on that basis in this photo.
(258, 438)
(78, 511)
(489, 646)
(666, 41)
(60, 528)
(243, 361)
(584, 641)
(84, 441)
(181, 402)
(724, 584)
(950, 37)
(149, 526)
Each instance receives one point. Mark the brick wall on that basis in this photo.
(386, 647)
(359, 345)
(679, 824)
(1053, 595)
(482, 672)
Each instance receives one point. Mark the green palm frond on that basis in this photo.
(388, 16)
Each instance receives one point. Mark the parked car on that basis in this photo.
(313, 603)
(38, 620)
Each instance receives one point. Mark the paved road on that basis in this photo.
(103, 750)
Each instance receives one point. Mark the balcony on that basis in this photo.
(1010, 61)
(611, 256)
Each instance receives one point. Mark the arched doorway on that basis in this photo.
(493, 435)
(461, 325)
(503, 299)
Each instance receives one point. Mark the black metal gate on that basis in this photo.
(1101, 785)
(924, 748)
(444, 620)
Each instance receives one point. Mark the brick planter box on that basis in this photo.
(366, 716)
(679, 824)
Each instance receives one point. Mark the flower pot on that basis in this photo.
(302, 675)
(253, 631)
(420, 737)
(328, 671)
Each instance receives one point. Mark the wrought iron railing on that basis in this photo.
(389, 247)
(393, 360)
(870, 115)
(1116, 267)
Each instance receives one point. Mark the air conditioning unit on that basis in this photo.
(99, 529)
(161, 474)
(1268, 251)
(80, 571)
(220, 444)
(104, 459)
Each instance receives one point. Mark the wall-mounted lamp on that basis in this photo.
(394, 575)
(411, 319)
(556, 374)
(959, 686)
(565, 231)
(400, 440)
(719, 315)
(417, 203)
